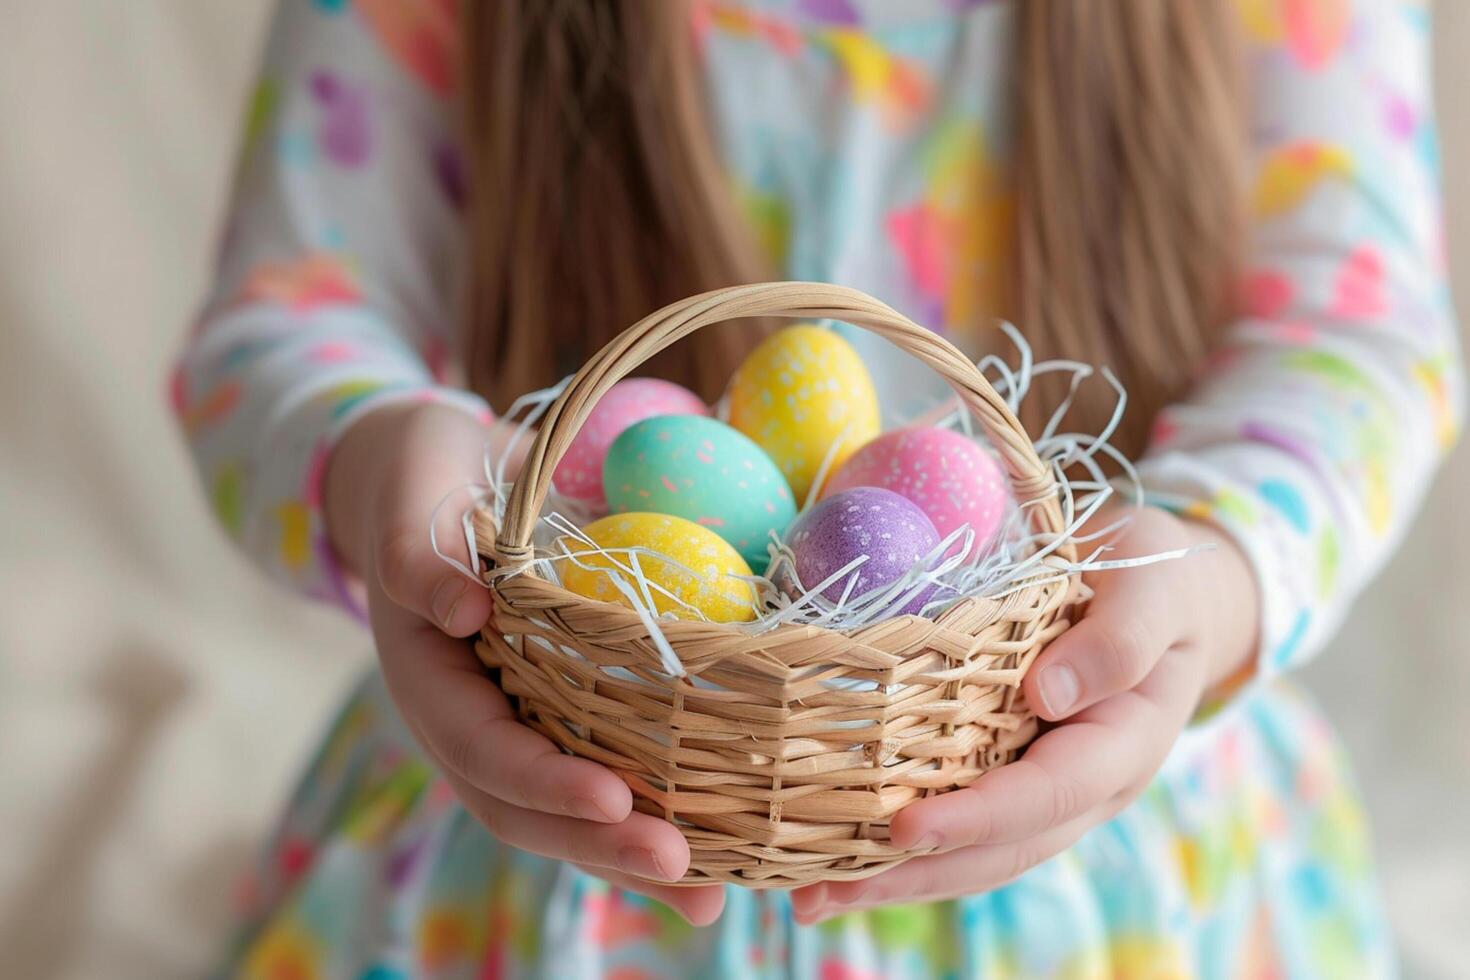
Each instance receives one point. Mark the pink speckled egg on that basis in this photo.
(579, 474)
(891, 530)
(952, 478)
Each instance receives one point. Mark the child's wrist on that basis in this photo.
(390, 466)
(1229, 603)
(368, 448)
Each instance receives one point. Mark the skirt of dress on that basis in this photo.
(1247, 857)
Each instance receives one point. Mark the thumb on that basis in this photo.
(417, 579)
(439, 459)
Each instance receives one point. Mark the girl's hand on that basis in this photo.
(1123, 682)
(386, 476)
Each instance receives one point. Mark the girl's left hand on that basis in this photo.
(1123, 682)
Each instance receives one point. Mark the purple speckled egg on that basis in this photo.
(950, 476)
(890, 529)
(579, 474)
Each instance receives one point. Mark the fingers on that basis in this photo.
(444, 449)
(936, 877)
(1129, 624)
(416, 578)
(640, 846)
(382, 482)
(467, 725)
(1065, 773)
(513, 779)
(699, 906)
(1110, 750)
(1011, 819)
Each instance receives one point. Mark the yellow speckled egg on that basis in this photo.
(714, 590)
(800, 392)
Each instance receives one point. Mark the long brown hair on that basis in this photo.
(597, 194)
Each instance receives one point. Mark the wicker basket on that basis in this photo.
(776, 776)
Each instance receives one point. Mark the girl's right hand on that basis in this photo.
(385, 477)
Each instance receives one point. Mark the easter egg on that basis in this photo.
(579, 474)
(692, 563)
(803, 394)
(950, 476)
(702, 470)
(889, 529)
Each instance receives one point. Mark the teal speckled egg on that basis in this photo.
(702, 470)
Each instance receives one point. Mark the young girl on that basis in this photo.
(1231, 202)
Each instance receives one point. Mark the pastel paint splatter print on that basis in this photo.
(304, 284)
(953, 242)
(737, 21)
(878, 77)
(867, 142)
(1291, 173)
(1267, 294)
(770, 219)
(212, 408)
(264, 101)
(1287, 501)
(421, 35)
(1312, 32)
(226, 497)
(344, 129)
(1358, 291)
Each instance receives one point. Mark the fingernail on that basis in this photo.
(643, 862)
(1059, 688)
(929, 842)
(809, 901)
(586, 808)
(446, 598)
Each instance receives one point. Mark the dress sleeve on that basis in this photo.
(1318, 423)
(333, 289)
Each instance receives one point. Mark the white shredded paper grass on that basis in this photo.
(954, 569)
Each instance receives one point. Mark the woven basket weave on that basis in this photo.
(775, 775)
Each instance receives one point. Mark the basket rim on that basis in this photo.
(1030, 479)
(1048, 577)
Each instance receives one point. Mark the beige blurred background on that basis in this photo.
(157, 699)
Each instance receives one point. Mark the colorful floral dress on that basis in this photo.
(868, 143)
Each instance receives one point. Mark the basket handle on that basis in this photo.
(1030, 479)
